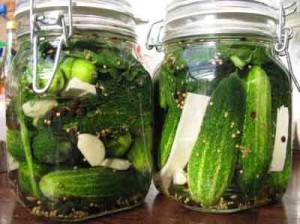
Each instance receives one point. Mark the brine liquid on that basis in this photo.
(103, 128)
(185, 84)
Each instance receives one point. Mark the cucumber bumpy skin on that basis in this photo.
(119, 146)
(24, 175)
(140, 153)
(212, 163)
(15, 145)
(168, 136)
(278, 181)
(97, 182)
(256, 144)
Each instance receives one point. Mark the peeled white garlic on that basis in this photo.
(117, 164)
(38, 108)
(78, 88)
(91, 148)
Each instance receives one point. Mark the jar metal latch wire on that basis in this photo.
(284, 34)
(63, 39)
(155, 43)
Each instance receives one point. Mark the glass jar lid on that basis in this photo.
(204, 17)
(106, 15)
(121, 6)
(294, 19)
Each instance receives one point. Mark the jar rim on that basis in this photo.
(294, 20)
(120, 6)
(289, 5)
(204, 17)
(102, 15)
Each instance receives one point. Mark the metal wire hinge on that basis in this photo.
(67, 33)
(284, 34)
(155, 43)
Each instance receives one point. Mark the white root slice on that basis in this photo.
(78, 88)
(281, 140)
(179, 178)
(38, 108)
(91, 148)
(116, 164)
(186, 136)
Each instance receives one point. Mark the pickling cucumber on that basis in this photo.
(214, 155)
(119, 146)
(256, 145)
(24, 176)
(166, 88)
(97, 182)
(50, 149)
(15, 145)
(279, 177)
(140, 153)
(168, 136)
(278, 181)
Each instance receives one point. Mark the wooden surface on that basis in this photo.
(159, 210)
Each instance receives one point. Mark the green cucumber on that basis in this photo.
(119, 146)
(24, 175)
(66, 66)
(278, 181)
(212, 163)
(140, 153)
(57, 84)
(97, 182)
(51, 149)
(166, 88)
(15, 145)
(83, 70)
(256, 145)
(78, 68)
(168, 136)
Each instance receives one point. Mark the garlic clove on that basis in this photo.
(117, 164)
(91, 148)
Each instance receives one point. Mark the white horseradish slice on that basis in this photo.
(38, 108)
(179, 178)
(91, 148)
(186, 136)
(78, 88)
(116, 164)
(281, 140)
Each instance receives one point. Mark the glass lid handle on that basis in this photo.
(35, 38)
(284, 34)
(151, 42)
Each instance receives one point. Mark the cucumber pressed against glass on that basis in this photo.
(212, 163)
(256, 145)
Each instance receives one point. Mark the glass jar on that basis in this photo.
(81, 139)
(223, 107)
(294, 49)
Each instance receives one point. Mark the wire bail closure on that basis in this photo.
(155, 43)
(284, 34)
(67, 33)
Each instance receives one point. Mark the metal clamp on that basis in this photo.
(62, 40)
(284, 34)
(150, 42)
